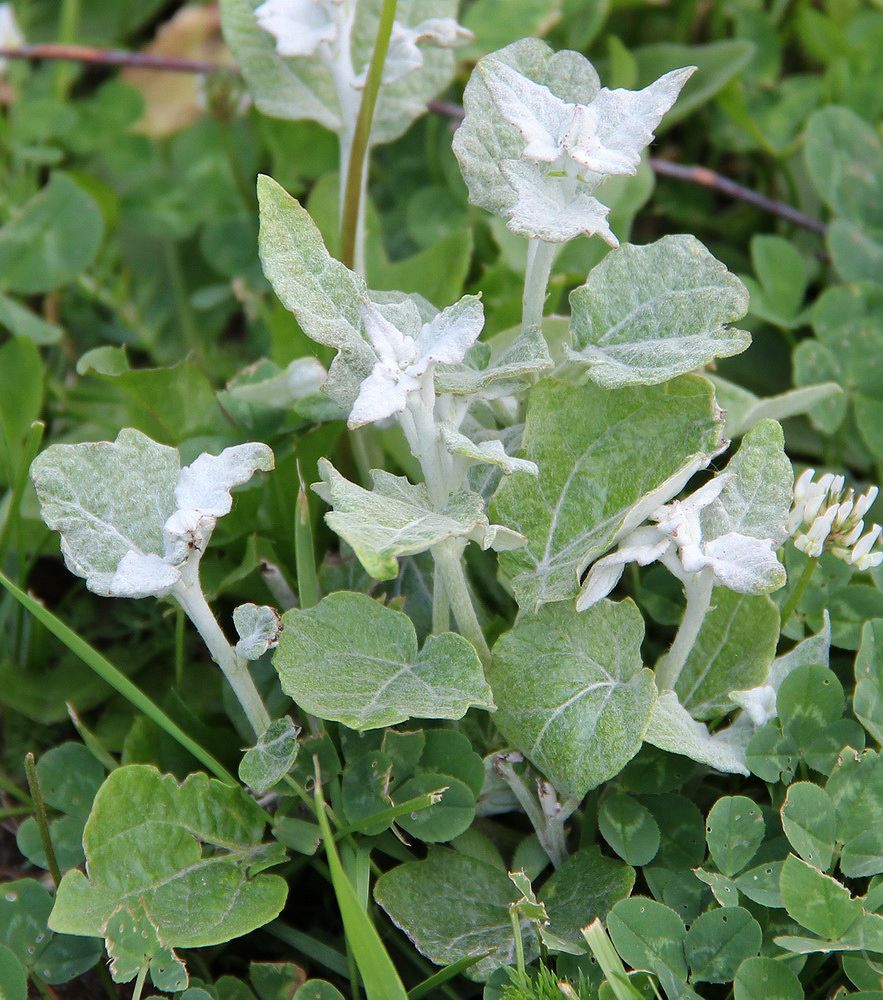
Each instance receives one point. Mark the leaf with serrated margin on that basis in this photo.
(397, 519)
(649, 313)
(144, 843)
(352, 660)
(486, 140)
(607, 460)
(325, 296)
(572, 693)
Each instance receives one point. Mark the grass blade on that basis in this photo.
(116, 679)
(378, 974)
(443, 975)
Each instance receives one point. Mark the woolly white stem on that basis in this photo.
(540, 256)
(698, 588)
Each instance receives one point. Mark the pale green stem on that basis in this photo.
(550, 831)
(358, 158)
(519, 944)
(441, 610)
(41, 818)
(189, 595)
(796, 596)
(448, 556)
(698, 589)
(139, 982)
(540, 256)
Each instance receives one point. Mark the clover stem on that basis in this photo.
(41, 818)
(139, 982)
(189, 595)
(353, 216)
(519, 943)
(698, 588)
(540, 256)
(790, 606)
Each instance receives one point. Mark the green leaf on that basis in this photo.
(453, 906)
(843, 155)
(446, 819)
(629, 828)
(816, 901)
(21, 322)
(21, 399)
(351, 660)
(107, 499)
(772, 755)
(734, 831)
(649, 935)
(734, 649)
(856, 789)
(25, 906)
(744, 409)
(379, 975)
(584, 889)
(133, 941)
(717, 63)
(809, 823)
(324, 295)
(766, 979)
(450, 752)
(318, 989)
(783, 278)
(649, 313)
(133, 859)
(672, 728)
(857, 255)
(809, 700)
(572, 693)
(642, 443)
(397, 518)
(51, 239)
(13, 976)
(757, 499)
(761, 884)
(867, 699)
(266, 763)
(863, 855)
(719, 941)
(722, 888)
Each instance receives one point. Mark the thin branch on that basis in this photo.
(695, 175)
(116, 57)
(723, 185)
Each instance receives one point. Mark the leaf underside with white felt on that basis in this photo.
(607, 459)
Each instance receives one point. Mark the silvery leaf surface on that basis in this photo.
(572, 693)
(672, 728)
(326, 297)
(352, 660)
(486, 140)
(258, 627)
(649, 313)
(607, 460)
(291, 88)
(514, 367)
(108, 500)
(396, 518)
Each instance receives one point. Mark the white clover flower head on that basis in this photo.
(740, 562)
(11, 36)
(826, 517)
(405, 53)
(405, 363)
(570, 148)
(300, 27)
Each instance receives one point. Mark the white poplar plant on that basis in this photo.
(566, 455)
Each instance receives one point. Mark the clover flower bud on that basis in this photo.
(824, 518)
